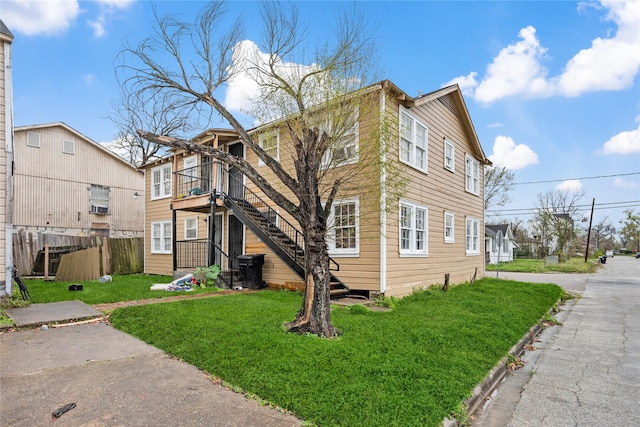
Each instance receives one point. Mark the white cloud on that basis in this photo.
(89, 78)
(467, 83)
(623, 143)
(243, 90)
(107, 8)
(513, 156)
(623, 183)
(610, 63)
(516, 70)
(571, 185)
(39, 17)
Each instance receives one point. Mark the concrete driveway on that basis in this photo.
(585, 372)
(115, 380)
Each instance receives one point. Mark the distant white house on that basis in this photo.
(493, 236)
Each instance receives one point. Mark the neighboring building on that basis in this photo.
(65, 183)
(433, 231)
(6, 158)
(500, 244)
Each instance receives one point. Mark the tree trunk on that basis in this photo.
(315, 315)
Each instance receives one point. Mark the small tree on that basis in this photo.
(630, 230)
(554, 220)
(498, 182)
(321, 103)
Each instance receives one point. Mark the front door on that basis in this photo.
(235, 176)
(235, 240)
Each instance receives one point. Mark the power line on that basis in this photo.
(598, 206)
(576, 179)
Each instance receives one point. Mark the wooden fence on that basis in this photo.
(119, 255)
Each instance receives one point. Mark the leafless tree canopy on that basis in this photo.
(498, 182)
(557, 212)
(187, 65)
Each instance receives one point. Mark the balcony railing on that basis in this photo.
(197, 180)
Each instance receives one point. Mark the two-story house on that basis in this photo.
(200, 212)
(6, 157)
(67, 184)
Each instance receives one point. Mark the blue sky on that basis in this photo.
(553, 87)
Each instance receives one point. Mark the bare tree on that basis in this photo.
(133, 112)
(498, 182)
(190, 62)
(555, 218)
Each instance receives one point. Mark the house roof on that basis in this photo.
(492, 230)
(78, 134)
(5, 31)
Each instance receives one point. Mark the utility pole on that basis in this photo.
(586, 252)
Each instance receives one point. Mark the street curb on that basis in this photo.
(496, 374)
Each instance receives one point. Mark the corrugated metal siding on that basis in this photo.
(52, 189)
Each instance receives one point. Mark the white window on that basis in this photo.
(413, 141)
(472, 182)
(161, 237)
(33, 139)
(344, 134)
(190, 228)
(190, 172)
(413, 229)
(161, 182)
(270, 143)
(449, 156)
(68, 147)
(448, 227)
(473, 236)
(343, 233)
(99, 199)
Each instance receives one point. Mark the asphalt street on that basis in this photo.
(586, 371)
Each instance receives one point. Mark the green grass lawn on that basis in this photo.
(411, 366)
(526, 265)
(121, 288)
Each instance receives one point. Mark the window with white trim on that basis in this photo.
(344, 134)
(472, 171)
(99, 199)
(190, 228)
(413, 141)
(448, 227)
(413, 229)
(190, 171)
(161, 182)
(33, 139)
(68, 147)
(449, 156)
(161, 237)
(344, 228)
(473, 236)
(270, 143)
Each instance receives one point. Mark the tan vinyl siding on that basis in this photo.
(52, 188)
(3, 163)
(439, 190)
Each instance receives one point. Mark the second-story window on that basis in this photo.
(161, 182)
(99, 199)
(270, 143)
(413, 141)
(190, 172)
(449, 156)
(472, 181)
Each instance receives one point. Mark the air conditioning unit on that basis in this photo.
(101, 210)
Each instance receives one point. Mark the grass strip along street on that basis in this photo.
(411, 366)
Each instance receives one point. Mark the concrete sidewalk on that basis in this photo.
(113, 378)
(586, 371)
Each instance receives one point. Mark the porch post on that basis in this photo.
(174, 251)
(212, 231)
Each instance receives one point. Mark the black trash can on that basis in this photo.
(251, 268)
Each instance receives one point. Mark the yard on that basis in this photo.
(410, 366)
(528, 265)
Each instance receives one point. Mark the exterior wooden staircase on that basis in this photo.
(277, 233)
